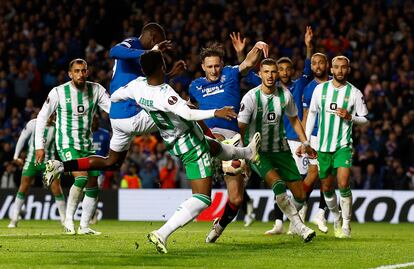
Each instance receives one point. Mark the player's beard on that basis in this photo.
(321, 75)
(79, 84)
(342, 80)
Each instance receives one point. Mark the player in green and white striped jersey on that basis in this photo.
(262, 110)
(30, 170)
(339, 105)
(75, 103)
(183, 137)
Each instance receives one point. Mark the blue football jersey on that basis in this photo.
(296, 88)
(101, 140)
(213, 95)
(307, 97)
(126, 68)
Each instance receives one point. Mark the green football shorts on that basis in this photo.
(330, 161)
(73, 154)
(282, 162)
(197, 161)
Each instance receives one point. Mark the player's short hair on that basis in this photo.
(212, 49)
(341, 57)
(268, 61)
(284, 60)
(77, 61)
(153, 27)
(320, 55)
(151, 61)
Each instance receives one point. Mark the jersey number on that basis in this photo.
(68, 156)
(161, 120)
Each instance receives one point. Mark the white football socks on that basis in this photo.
(332, 204)
(185, 213)
(75, 194)
(229, 152)
(88, 209)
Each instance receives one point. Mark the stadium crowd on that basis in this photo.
(38, 40)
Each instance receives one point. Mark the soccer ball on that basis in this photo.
(233, 167)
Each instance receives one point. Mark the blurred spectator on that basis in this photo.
(130, 180)
(146, 143)
(8, 177)
(168, 173)
(149, 174)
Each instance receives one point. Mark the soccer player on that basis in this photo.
(221, 87)
(339, 105)
(262, 110)
(30, 170)
(127, 118)
(285, 72)
(183, 137)
(319, 65)
(75, 103)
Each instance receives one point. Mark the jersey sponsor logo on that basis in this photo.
(271, 117)
(212, 90)
(333, 106)
(199, 88)
(241, 107)
(172, 100)
(81, 109)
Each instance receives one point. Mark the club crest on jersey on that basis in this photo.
(223, 78)
(172, 100)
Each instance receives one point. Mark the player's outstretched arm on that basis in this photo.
(124, 51)
(238, 44)
(124, 93)
(253, 57)
(308, 41)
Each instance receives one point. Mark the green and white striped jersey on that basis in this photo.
(335, 132)
(173, 118)
(74, 113)
(264, 113)
(28, 133)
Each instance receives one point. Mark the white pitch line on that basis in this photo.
(393, 266)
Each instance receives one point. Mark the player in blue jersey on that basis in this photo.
(296, 87)
(221, 87)
(320, 66)
(127, 117)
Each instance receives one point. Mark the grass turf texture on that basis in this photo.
(40, 244)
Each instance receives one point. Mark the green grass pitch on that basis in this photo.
(40, 244)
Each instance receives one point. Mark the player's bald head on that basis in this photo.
(151, 34)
